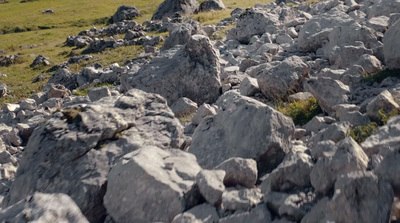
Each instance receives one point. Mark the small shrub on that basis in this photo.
(301, 111)
(379, 77)
(384, 117)
(360, 133)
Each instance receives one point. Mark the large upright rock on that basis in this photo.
(391, 45)
(361, 197)
(315, 33)
(124, 12)
(253, 22)
(64, 77)
(182, 33)
(211, 5)
(170, 7)
(244, 128)
(73, 151)
(43, 208)
(280, 81)
(149, 185)
(328, 92)
(191, 71)
(387, 136)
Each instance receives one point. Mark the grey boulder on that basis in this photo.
(73, 151)
(124, 12)
(169, 8)
(244, 128)
(280, 81)
(191, 71)
(44, 208)
(150, 184)
(239, 171)
(390, 46)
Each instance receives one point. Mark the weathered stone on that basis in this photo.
(184, 107)
(348, 157)
(285, 78)
(150, 176)
(253, 22)
(244, 128)
(328, 92)
(124, 12)
(239, 171)
(170, 7)
(73, 154)
(211, 5)
(58, 91)
(386, 137)
(205, 212)
(43, 208)
(390, 46)
(211, 186)
(364, 198)
(98, 93)
(259, 214)
(292, 174)
(249, 86)
(28, 104)
(382, 103)
(203, 111)
(242, 199)
(192, 72)
(314, 34)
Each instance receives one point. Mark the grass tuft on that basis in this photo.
(300, 111)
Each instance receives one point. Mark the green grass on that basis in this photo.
(300, 111)
(24, 24)
(362, 132)
(379, 77)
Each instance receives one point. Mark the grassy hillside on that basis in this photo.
(24, 24)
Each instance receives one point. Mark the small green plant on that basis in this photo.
(301, 111)
(380, 76)
(384, 117)
(360, 133)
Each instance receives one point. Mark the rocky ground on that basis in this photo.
(190, 133)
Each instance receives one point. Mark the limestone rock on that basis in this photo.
(361, 196)
(259, 214)
(150, 176)
(184, 107)
(211, 186)
(242, 199)
(253, 22)
(287, 77)
(211, 5)
(239, 171)
(192, 72)
(244, 128)
(170, 7)
(124, 12)
(72, 152)
(293, 173)
(328, 92)
(348, 157)
(42, 207)
(386, 137)
(390, 44)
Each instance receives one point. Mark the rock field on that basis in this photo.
(190, 132)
